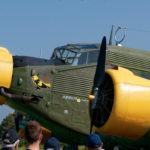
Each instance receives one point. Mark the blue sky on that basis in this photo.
(29, 26)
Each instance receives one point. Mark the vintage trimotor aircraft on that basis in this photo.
(60, 93)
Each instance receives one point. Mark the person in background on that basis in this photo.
(10, 140)
(52, 144)
(93, 142)
(33, 135)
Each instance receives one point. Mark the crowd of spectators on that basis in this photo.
(33, 138)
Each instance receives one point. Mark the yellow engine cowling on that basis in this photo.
(6, 70)
(130, 113)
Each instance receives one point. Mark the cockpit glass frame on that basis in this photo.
(71, 55)
(66, 55)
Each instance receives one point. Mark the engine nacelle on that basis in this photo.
(6, 68)
(130, 111)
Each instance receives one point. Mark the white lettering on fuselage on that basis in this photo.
(73, 98)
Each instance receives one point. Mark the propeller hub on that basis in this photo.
(91, 97)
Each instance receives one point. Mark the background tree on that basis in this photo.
(7, 123)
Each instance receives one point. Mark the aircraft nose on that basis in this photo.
(6, 68)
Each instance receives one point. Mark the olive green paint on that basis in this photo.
(64, 107)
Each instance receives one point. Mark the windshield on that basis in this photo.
(88, 57)
(75, 58)
(65, 55)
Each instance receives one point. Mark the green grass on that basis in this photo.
(22, 148)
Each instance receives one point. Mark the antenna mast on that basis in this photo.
(111, 35)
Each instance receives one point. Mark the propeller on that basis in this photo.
(98, 78)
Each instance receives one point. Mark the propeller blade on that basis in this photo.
(100, 68)
(98, 78)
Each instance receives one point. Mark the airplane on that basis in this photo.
(81, 90)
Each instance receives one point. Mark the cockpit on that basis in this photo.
(76, 54)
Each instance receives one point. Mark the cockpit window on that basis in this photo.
(93, 56)
(88, 57)
(65, 55)
(75, 57)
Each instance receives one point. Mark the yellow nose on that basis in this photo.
(6, 68)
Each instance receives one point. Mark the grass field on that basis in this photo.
(22, 148)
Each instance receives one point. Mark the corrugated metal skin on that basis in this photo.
(74, 81)
(130, 58)
(78, 80)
